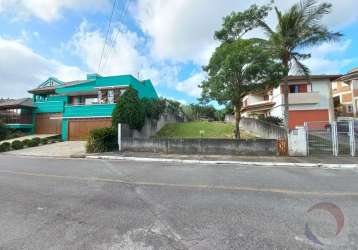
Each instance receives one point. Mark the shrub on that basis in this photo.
(33, 143)
(129, 110)
(44, 141)
(17, 145)
(37, 139)
(153, 108)
(102, 140)
(26, 142)
(6, 146)
(272, 119)
(4, 131)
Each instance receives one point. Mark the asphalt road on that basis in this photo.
(94, 204)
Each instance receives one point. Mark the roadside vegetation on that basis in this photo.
(201, 129)
(27, 143)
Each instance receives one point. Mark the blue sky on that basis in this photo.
(166, 41)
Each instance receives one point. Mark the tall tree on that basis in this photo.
(235, 69)
(129, 110)
(297, 29)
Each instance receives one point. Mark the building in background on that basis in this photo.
(308, 101)
(345, 94)
(17, 114)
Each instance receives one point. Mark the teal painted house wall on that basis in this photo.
(52, 104)
(145, 88)
(94, 110)
(57, 102)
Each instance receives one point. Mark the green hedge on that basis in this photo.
(44, 141)
(102, 140)
(33, 143)
(6, 146)
(16, 145)
(4, 131)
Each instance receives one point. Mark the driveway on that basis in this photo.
(59, 149)
(96, 204)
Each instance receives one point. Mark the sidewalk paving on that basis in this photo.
(60, 149)
(323, 161)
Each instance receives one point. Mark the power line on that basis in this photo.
(114, 36)
(108, 31)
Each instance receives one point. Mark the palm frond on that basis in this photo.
(312, 12)
(300, 68)
(266, 28)
(317, 36)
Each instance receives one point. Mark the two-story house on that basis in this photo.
(73, 109)
(308, 100)
(345, 94)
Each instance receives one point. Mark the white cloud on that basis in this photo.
(124, 55)
(183, 29)
(322, 61)
(22, 69)
(190, 86)
(49, 10)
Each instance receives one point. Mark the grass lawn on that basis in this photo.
(192, 130)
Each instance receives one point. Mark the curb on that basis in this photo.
(264, 164)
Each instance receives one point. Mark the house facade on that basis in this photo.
(345, 94)
(308, 100)
(73, 109)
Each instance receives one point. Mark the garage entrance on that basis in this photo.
(79, 129)
(48, 123)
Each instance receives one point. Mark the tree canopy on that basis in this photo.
(237, 68)
(299, 28)
(129, 110)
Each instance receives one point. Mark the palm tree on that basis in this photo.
(297, 29)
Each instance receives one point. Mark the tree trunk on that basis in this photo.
(237, 120)
(286, 117)
(286, 105)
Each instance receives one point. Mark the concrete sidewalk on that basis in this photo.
(60, 149)
(323, 161)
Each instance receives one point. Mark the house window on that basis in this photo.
(350, 108)
(91, 100)
(294, 89)
(110, 96)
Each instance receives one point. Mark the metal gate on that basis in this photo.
(336, 138)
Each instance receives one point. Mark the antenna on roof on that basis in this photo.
(138, 76)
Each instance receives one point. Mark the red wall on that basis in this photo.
(298, 117)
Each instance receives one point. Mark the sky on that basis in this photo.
(167, 41)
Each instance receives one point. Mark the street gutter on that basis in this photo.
(212, 162)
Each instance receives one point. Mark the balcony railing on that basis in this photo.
(258, 103)
(304, 98)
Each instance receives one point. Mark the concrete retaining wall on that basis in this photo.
(260, 147)
(259, 128)
(150, 128)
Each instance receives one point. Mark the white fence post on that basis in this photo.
(297, 142)
(119, 137)
(352, 141)
(307, 139)
(334, 138)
